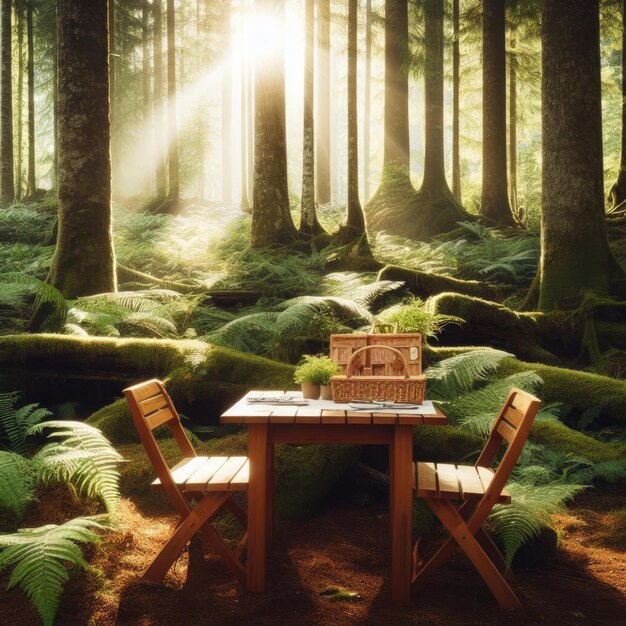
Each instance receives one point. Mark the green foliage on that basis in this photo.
(15, 423)
(457, 375)
(17, 485)
(530, 508)
(81, 457)
(22, 292)
(41, 558)
(413, 316)
(316, 370)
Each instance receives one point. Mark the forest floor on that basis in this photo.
(346, 547)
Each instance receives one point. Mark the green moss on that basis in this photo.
(443, 443)
(564, 440)
(305, 475)
(581, 390)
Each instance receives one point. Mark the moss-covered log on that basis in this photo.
(204, 378)
(427, 284)
(581, 390)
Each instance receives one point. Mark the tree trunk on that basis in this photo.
(7, 185)
(308, 217)
(55, 114)
(494, 204)
(456, 80)
(226, 114)
(112, 57)
(355, 219)
(157, 56)
(271, 219)
(172, 130)
(19, 14)
(322, 116)
(243, 79)
(250, 125)
(367, 112)
(513, 118)
(575, 255)
(145, 76)
(84, 262)
(617, 195)
(31, 180)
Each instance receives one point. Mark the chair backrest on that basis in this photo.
(151, 406)
(513, 426)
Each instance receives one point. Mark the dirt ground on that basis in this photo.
(346, 547)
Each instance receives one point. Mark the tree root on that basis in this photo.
(426, 284)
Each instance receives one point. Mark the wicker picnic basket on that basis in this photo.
(406, 388)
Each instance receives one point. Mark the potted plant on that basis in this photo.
(314, 374)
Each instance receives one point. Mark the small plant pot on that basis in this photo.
(327, 392)
(310, 391)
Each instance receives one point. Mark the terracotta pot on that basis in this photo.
(327, 392)
(310, 391)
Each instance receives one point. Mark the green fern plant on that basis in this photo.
(81, 456)
(18, 480)
(15, 423)
(531, 505)
(41, 558)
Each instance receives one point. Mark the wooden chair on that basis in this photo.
(209, 481)
(462, 496)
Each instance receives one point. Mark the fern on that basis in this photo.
(83, 458)
(41, 557)
(459, 374)
(18, 480)
(16, 423)
(519, 522)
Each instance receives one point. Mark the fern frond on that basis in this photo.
(299, 310)
(16, 422)
(40, 558)
(17, 484)
(83, 458)
(459, 374)
(519, 522)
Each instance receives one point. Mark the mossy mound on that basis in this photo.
(581, 390)
(444, 444)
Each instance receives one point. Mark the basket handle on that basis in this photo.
(395, 350)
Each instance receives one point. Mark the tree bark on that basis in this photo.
(157, 56)
(355, 219)
(456, 80)
(513, 117)
(367, 111)
(145, 78)
(84, 262)
(617, 195)
(271, 219)
(309, 224)
(112, 57)
(172, 128)
(19, 15)
(226, 114)
(575, 255)
(31, 179)
(55, 113)
(250, 125)
(322, 115)
(7, 184)
(494, 205)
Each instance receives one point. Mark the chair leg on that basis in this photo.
(457, 527)
(435, 562)
(223, 551)
(237, 511)
(183, 533)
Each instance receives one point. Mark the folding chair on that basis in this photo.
(209, 481)
(462, 496)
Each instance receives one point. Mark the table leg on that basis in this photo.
(270, 506)
(257, 501)
(401, 513)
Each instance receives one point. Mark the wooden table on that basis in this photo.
(271, 424)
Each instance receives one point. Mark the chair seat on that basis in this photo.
(209, 473)
(454, 482)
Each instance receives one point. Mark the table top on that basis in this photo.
(320, 412)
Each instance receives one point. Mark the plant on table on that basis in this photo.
(315, 372)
